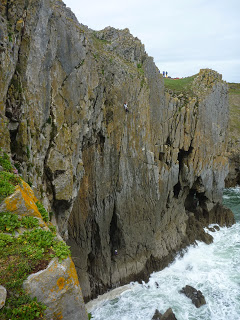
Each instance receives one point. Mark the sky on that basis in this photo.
(183, 36)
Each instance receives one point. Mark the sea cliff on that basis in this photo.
(143, 182)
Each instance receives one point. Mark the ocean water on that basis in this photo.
(214, 269)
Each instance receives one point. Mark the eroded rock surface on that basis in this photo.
(136, 182)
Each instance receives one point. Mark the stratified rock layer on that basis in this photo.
(136, 182)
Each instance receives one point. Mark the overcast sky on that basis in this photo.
(182, 36)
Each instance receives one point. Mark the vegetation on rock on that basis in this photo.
(26, 246)
(179, 86)
(8, 180)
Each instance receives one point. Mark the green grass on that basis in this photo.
(8, 181)
(10, 222)
(19, 259)
(21, 256)
(43, 211)
(5, 162)
(179, 85)
(234, 88)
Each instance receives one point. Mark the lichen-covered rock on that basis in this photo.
(3, 296)
(57, 287)
(21, 202)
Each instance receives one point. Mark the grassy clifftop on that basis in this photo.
(179, 86)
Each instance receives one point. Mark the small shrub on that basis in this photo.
(61, 250)
(31, 251)
(38, 237)
(5, 162)
(52, 228)
(29, 222)
(8, 181)
(9, 222)
(24, 308)
(43, 211)
(140, 69)
(6, 239)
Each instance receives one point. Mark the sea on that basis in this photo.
(214, 269)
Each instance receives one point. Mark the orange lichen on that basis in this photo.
(29, 191)
(61, 283)
(73, 274)
(11, 203)
(30, 204)
(58, 315)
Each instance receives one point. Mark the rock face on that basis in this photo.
(195, 295)
(233, 177)
(136, 182)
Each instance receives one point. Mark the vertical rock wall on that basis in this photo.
(138, 182)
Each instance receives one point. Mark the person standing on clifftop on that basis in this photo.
(163, 74)
(126, 107)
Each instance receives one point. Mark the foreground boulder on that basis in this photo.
(58, 288)
(195, 295)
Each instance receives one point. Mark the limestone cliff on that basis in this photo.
(144, 182)
(233, 177)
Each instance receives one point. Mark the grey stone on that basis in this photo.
(57, 287)
(195, 295)
(168, 315)
(157, 315)
(3, 296)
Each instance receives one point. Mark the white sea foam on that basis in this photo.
(214, 269)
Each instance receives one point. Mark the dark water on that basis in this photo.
(214, 269)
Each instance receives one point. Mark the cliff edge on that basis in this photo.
(143, 182)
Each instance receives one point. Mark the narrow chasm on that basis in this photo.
(115, 233)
